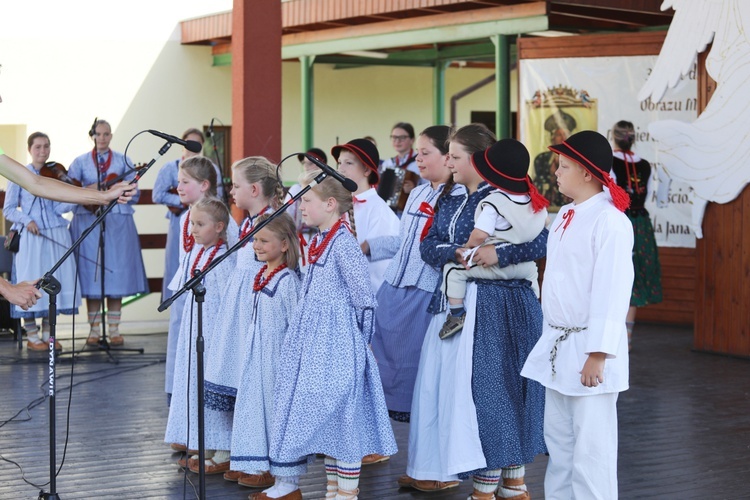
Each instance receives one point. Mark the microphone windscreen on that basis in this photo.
(193, 146)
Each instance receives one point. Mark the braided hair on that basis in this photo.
(259, 169)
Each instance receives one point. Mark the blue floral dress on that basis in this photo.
(329, 398)
(472, 410)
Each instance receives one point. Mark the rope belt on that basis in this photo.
(566, 333)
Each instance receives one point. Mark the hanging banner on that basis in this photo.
(559, 97)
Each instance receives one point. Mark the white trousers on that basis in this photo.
(581, 437)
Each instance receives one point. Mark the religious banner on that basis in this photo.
(559, 97)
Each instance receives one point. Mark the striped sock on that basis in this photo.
(513, 483)
(332, 475)
(348, 476)
(487, 481)
(94, 322)
(113, 322)
(32, 330)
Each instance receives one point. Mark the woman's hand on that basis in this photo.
(365, 248)
(123, 192)
(32, 228)
(24, 294)
(485, 256)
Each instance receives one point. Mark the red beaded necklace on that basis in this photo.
(261, 282)
(188, 240)
(316, 250)
(249, 224)
(210, 257)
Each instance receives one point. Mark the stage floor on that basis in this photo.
(684, 428)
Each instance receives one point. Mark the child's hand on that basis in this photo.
(460, 257)
(592, 373)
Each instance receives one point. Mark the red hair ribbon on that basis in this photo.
(302, 245)
(426, 209)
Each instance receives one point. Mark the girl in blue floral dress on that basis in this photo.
(329, 398)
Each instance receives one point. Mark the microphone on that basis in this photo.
(348, 184)
(193, 146)
(92, 130)
(210, 132)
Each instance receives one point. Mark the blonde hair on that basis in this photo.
(259, 169)
(331, 188)
(215, 209)
(283, 227)
(201, 169)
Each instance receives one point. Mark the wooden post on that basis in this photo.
(256, 79)
(722, 299)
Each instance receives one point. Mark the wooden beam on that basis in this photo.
(293, 45)
(627, 44)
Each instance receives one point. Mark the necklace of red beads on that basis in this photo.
(188, 240)
(210, 257)
(261, 282)
(316, 249)
(249, 224)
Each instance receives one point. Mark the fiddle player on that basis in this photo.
(25, 294)
(125, 274)
(45, 238)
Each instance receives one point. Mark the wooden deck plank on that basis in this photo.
(683, 428)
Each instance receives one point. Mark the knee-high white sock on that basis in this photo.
(284, 485)
(348, 479)
(332, 477)
(513, 483)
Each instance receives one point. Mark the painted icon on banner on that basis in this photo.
(553, 115)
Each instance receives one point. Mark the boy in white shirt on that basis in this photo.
(582, 356)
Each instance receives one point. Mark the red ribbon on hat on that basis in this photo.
(538, 201)
(428, 210)
(357, 200)
(619, 197)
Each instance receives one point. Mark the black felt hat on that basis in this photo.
(363, 149)
(317, 153)
(505, 165)
(592, 151)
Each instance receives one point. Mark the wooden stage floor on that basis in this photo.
(684, 428)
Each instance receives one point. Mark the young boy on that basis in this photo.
(514, 213)
(582, 356)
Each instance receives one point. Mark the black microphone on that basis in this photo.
(210, 132)
(348, 184)
(193, 146)
(92, 130)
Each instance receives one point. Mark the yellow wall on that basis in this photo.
(77, 60)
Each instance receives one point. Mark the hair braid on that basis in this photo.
(352, 223)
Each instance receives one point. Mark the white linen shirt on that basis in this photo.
(588, 281)
(374, 219)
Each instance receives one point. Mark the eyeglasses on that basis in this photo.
(399, 137)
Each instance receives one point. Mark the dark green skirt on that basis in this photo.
(647, 283)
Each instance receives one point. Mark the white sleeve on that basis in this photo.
(489, 220)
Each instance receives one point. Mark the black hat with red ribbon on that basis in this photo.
(592, 151)
(363, 149)
(315, 152)
(505, 165)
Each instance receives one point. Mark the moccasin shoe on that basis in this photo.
(263, 480)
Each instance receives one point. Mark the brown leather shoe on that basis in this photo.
(178, 447)
(295, 495)
(423, 485)
(93, 339)
(116, 340)
(406, 481)
(262, 480)
(514, 484)
(211, 467)
(374, 458)
(234, 475)
(37, 346)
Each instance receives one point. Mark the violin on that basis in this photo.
(173, 209)
(55, 170)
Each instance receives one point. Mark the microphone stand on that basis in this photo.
(199, 291)
(52, 286)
